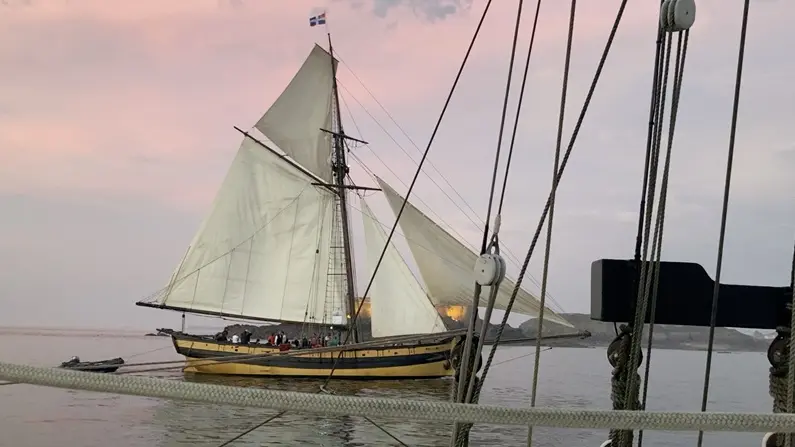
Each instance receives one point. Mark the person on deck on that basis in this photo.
(335, 341)
(304, 342)
(222, 336)
(272, 339)
(245, 337)
(236, 339)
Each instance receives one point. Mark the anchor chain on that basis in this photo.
(778, 356)
(462, 438)
(618, 354)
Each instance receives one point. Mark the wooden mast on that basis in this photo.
(341, 170)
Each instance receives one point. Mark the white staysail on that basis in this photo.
(398, 303)
(294, 120)
(446, 265)
(263, 251)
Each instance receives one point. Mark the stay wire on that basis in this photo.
(281, 413)
(511, 257)
(548, 245)
(252, 429)
(659, 95)
(385, 431)
(679, 67)
(413, 182)
(520, 357)
(405, 134)
(519, 106)
(724, 212)
(653, 124)
(465, 384)
(643, 286)
(647, 270)
(544, 213)
(478, 226)
(791, 363)
(503, 118)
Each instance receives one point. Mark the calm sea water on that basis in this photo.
(579, 378)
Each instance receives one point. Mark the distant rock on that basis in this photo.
(666, 336)
(601, 333)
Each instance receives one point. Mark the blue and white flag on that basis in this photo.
(319, 19)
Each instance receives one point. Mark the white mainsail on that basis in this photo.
(263, 251)
(446, 265)
(398, 303)
(294, 119)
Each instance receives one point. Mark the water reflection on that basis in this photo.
(185, 423)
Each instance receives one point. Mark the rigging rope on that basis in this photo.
(281, 413)
(724, 212)
(450, 228)
(354, 317)
(252, 429)
(436, 411)
(548, 244)
(626, 381)
(520, 356)
(656, 117)
(656, 252)
(778, 380)
(494, 244)
(510, 255)
(467, 383)
(791, 352)
(564, 161)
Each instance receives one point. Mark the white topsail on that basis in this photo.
(263, 251)
(294, 120)
(446, 265)
(398, 303)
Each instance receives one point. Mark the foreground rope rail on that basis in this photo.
(396, 408)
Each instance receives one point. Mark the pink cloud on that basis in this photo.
(96, 87)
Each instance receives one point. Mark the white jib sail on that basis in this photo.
(446, 265)
(398, 303)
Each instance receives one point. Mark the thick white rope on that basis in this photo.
(395, 408)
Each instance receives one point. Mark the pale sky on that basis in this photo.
(116, 129)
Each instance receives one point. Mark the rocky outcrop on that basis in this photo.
(665, 336)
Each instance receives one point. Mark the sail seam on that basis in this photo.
(248, 270)
(289, 257)
(315, 279)
(197, 271)
(226, 281)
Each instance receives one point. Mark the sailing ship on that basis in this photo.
(276, 247)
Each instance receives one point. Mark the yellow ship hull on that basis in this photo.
(415, 360)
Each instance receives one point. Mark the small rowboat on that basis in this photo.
(102, 366)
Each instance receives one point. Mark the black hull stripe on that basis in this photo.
(318, 363)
